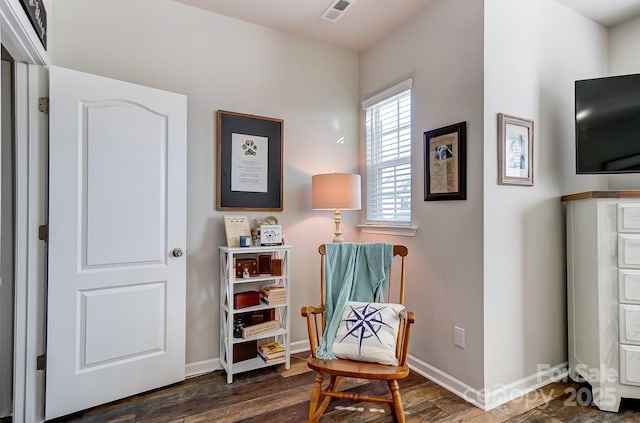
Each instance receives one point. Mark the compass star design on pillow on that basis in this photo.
(368, 332)
(364, 322)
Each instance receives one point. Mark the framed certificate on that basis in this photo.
(249, 162)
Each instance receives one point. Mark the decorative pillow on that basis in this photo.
(368, 332)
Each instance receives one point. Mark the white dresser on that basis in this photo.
(603, 293)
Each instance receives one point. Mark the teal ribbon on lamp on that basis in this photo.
(336, 191)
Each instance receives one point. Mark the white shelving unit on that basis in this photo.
(230, 285)
(603, 294)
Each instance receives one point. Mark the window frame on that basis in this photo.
(393, 227)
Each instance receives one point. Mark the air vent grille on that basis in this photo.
(336, 10)
(341, 5)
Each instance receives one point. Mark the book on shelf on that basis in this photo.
(273, 294)
(271, 359)
(271, 348)
(274, 289)
(271, 351)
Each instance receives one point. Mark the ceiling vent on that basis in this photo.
(336, 10)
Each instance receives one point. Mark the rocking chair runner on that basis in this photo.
(338, 368)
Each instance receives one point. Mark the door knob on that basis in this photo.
(177, 252)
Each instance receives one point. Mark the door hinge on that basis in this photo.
(41, 362)
(43, 104)
(43, 233)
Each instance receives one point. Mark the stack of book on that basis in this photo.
(271, 351)
(273, 295)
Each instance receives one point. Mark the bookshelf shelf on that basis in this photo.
(239, 355)
(261, 278)
(279, 332)
(253, 364)
(261, 306)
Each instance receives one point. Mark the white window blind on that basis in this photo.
(388, 137)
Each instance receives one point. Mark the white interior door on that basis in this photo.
(117, 211)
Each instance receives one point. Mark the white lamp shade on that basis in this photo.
(335, 191)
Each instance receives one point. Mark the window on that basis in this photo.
(388, 137)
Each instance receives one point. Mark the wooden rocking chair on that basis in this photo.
(338, 368)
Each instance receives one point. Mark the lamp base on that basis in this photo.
(337, 218)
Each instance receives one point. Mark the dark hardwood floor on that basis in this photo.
(277, 395)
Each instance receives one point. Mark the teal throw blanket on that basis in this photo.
(353, 272)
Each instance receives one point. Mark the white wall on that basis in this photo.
(623, 48)
(623, 60)
(441, 49)
(534, 51)
(222, 63)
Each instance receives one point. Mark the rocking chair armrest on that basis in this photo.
(404, 346)
(315, 325)
(411, 318)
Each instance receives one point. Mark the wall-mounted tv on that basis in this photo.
(608, 124)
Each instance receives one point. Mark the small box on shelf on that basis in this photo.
(276, 267)
(254, 317)
(260, 329)
(245, 351)
(246, 299)
(264, 264)
(246, 267)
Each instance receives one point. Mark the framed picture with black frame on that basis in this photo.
(445, 158)
(249, 162)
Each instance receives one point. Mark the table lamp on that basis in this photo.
(335, 191)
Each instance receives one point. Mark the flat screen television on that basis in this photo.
(608, 125)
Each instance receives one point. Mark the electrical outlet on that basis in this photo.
(458, 337)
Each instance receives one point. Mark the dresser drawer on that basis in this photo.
(630, 365)
(629, 324)
(629, 286)
(629, 251)
(629, 217)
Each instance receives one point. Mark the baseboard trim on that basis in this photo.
(299, 346)
(502, 394)
(201, 367)
(488, 399)
(448, 382)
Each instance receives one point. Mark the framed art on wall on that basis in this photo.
(515, 150)
(445, 158)
(249, 162)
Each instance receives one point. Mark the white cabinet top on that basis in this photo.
(601, 194)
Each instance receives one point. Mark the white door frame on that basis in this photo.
(19, 38)
(30, 253)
